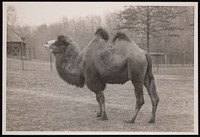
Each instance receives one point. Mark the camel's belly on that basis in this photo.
(115, 76)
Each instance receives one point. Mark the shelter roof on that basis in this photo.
(13, 36)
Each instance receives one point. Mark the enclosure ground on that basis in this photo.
(38, 100)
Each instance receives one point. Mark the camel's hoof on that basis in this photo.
(151, 121)
(102, 118)
(98, 115)
(129, 121)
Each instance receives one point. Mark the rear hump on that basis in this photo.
(121, 36)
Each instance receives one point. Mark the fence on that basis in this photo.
(33, 65)
(38, 65)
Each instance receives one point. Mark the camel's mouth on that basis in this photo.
(52, 49)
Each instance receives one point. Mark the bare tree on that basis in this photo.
(11, 16)
(149, 20)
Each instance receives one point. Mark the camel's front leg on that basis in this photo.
(99, 112)
(101, 102)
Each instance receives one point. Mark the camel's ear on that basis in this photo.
(61, 37)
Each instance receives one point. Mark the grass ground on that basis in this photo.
(38, 100)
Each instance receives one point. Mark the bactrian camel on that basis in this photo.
(102, 62)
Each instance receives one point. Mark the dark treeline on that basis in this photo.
(177, 44)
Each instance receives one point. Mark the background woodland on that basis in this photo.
(157, 29)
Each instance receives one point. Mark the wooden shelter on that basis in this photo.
(158, 58)
(16, 47)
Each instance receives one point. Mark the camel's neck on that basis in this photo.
(68, 66)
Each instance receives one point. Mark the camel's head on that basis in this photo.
(59, 45)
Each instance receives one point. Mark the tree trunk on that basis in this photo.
(148, 25)
(29, 52)
(148, 48)
(33, 52)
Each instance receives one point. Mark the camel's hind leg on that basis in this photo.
(151, 88)
(139, 99)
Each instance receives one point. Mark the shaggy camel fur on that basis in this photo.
(101, 62)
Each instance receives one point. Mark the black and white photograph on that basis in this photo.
(100, 68)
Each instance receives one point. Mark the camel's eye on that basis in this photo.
(57, 43)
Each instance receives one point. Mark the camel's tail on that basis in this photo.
(150, 81)
(149, 72)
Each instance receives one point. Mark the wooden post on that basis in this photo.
(158, 63)
(22, 59)
(50, 59)
(11, 51)
(165, 58)
(29, 52)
